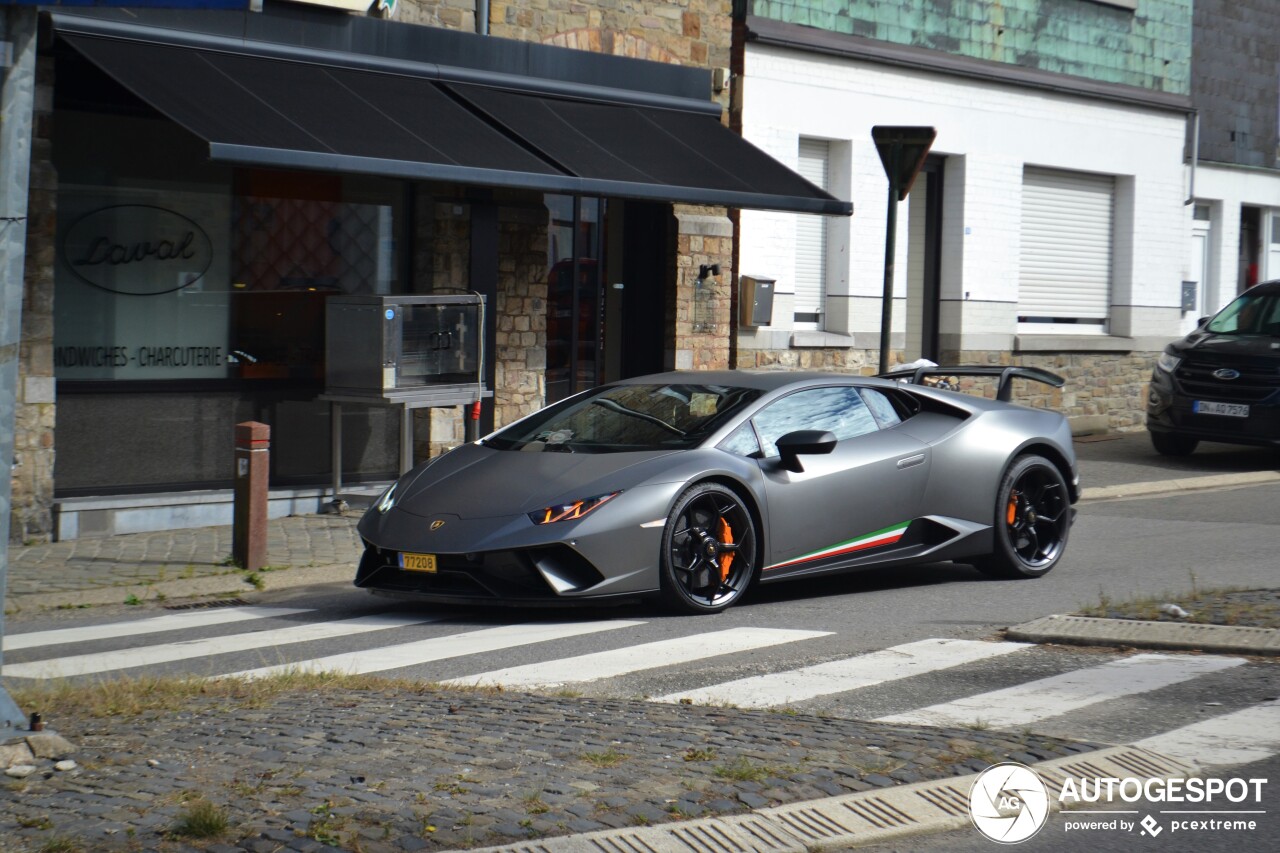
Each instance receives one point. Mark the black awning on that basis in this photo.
(286, 112)
(620, 144)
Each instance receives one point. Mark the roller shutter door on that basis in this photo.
(1065, 271)
(811, 237)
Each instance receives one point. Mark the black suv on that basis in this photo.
(1222, 381)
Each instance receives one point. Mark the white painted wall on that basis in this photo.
(989, 132)
(1226, 189)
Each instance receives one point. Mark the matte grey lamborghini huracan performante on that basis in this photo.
(694, 486)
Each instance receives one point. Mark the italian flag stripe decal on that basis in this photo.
(887, 536)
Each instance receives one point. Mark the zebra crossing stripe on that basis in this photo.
(838, 676)
(1240, 737)
(617, 662)
(1049, 697)
(440, 648)
(154, 625)
(88, 664)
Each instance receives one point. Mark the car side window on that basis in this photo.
(880, 406)
(837, 409)
(742, 441)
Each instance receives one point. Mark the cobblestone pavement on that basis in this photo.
(149, 558)
(402, 770)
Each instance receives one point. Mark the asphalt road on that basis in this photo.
(1119, 549)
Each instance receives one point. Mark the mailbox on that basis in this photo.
(755, 300)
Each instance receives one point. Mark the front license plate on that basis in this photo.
(1231, 410)
(418, 562)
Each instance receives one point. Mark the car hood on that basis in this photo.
(473, 481)
(1229, 346)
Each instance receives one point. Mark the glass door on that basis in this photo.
(574, 317)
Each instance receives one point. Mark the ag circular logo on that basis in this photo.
(1009, 803)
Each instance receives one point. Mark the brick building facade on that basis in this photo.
(65, 482)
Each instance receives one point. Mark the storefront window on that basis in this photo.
(188, 283)
(189, 296)
(574, 326)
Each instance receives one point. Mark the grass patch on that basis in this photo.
(202, 819)
(609, 758)
(134, 695)
(60, 844)
(743, 769)
(1224, 606)
(533, 804)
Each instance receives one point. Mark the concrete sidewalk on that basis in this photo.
(313, 549)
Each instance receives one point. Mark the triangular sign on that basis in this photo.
(902, 151)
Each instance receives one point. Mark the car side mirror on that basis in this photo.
(804, 442)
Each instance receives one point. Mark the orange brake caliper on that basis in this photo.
(726, 559)
(1012, 513)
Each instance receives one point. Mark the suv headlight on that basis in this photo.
(1168, 362)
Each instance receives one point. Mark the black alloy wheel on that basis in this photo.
(1033, 519)
(708, 550)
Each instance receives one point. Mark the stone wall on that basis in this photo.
(1103, 391)
(35, 416)
(521, 314)
(695, 33)
(702, 309)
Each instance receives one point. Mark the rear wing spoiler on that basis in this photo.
(1006, 376)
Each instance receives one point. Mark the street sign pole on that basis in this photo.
(890, 251)
(902, 152)
(18, 38)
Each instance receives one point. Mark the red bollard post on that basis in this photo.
(249, 528)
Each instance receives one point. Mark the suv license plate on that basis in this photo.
(1231, 410)
(418, 562)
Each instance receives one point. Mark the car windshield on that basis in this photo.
(619, 418)
(1250, 314)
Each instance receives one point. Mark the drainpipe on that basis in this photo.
(482, 17)
(1195, 156)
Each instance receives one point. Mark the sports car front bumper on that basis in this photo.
(609, 554)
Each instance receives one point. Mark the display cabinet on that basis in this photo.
(401, 347)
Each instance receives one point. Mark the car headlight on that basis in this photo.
(1168, 362)
(570, 511)
(388, 498)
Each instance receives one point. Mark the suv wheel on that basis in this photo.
(1172, 444)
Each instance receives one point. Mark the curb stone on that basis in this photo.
(1184, 636)
(1179, 484)
(230, 583)
(852, 819)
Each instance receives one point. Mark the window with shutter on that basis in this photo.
(1065, 271)
(811, 241)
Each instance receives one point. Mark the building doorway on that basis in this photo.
(1250, 248)
(924, 250)
(606, 291)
